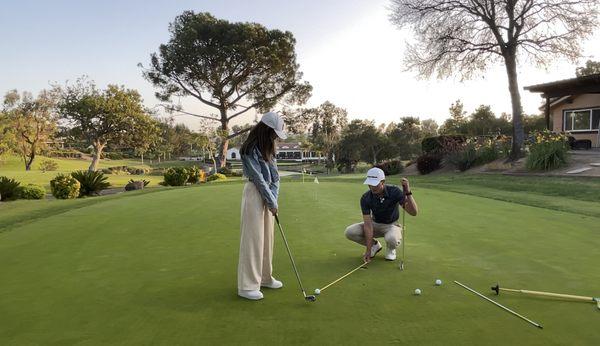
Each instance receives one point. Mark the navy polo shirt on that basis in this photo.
(383, 209)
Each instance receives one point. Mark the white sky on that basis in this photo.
(347, 49)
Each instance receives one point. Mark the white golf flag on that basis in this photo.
(316, 180)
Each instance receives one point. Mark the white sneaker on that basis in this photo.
(390, 254)
(375, 248)
(273, 284)
(252, 295)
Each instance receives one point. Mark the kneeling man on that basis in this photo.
(380, 215)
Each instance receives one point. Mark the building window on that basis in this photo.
(582, 120)
(233, 156)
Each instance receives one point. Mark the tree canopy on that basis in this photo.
(231, 67)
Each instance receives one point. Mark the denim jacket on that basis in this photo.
(263, 174)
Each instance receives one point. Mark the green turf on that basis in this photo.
(13, 167)
(159, 267)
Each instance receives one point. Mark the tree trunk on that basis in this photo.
(98, 147)
(374, 157)
(224, 141)
(30, 161)
(517, 111)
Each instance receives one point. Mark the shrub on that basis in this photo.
(547, 151)
(176, 176)
(112, 155)
(391, 167)
(9, 189)
(225, 171)
(64, 186)
(345, 165)
(31, 191)
(194, 174)
(146, 182)
(216, 177)
(136, 185)
(428, 163)
(487, 153)
(48, 165)
(504, 145)
(465, 158)
(69, 154)
(138, 170)
(91, 183)
(441, 144)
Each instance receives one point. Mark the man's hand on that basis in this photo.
(273, 210)
(405, 185)
(367, 256)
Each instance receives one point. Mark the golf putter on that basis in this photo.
(403, 239)
(308, 298)
(594, 300)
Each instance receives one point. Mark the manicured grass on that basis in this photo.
(159, 267)
(12, 167)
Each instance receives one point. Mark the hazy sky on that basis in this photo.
(347, 49)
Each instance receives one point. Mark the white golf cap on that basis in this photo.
(374, 176)
(274, 121)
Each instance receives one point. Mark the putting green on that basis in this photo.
(160, 268)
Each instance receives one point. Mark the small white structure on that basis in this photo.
(233, 154)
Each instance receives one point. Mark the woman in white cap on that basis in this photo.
(259, 205)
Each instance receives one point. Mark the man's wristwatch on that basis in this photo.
(409, 193)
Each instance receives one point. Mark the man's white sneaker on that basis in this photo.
(252, 295)
(375, 248)
(273, 284)
(390, 255)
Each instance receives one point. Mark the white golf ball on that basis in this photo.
(438, 282)
(317, 291)
(418, 292)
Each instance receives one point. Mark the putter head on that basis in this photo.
(496, 289)
(310, 298)
(401, 265)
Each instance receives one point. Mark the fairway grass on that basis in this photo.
(159, 267)
(13, 167)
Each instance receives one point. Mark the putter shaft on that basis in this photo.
(291, 258)
(343, 276)
(403, 235)
(500, 305)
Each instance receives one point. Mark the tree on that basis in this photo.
(362, 140)
(429, 128)
(113, 115)
(32, 122)
(456, 123)
(466, 36)
(237, 141)
(406, 137)
(591, 67)
(482, 122)
(349, 149)
(231, 67)
(209, 140)
(145, 136)
(6, 135)
(165, 146)
(327, 120)
(534, 122)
